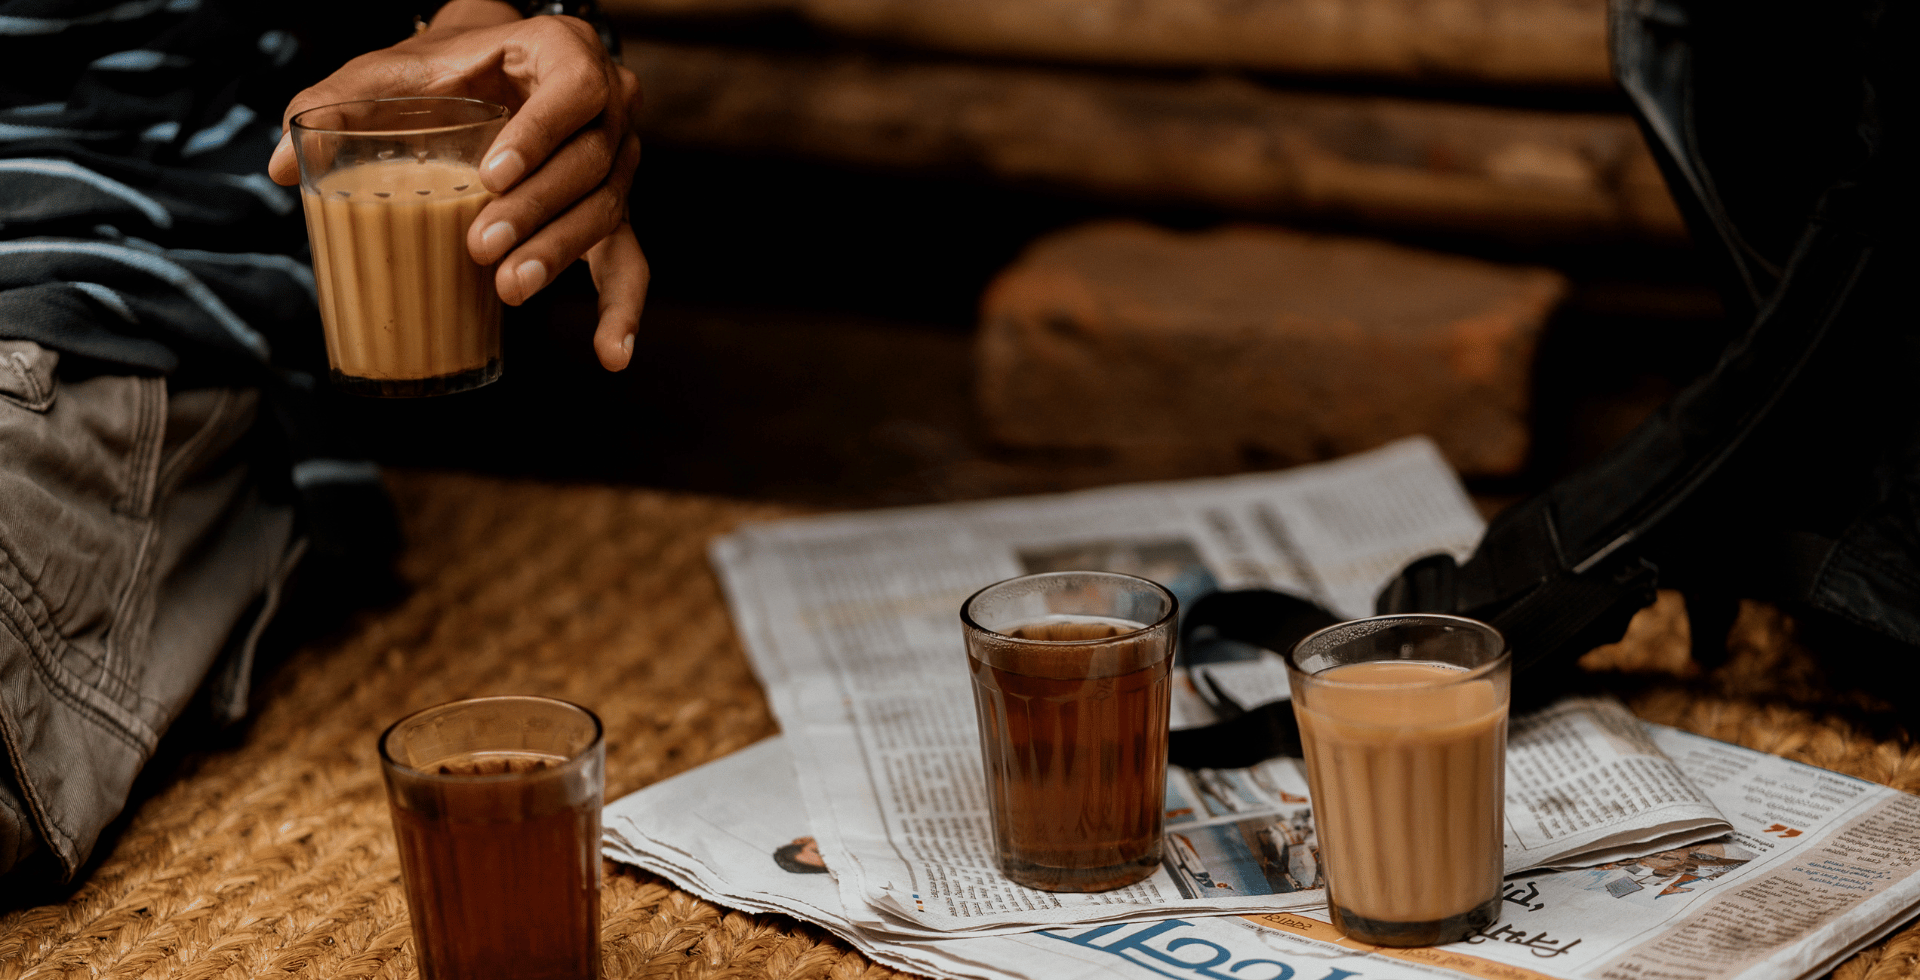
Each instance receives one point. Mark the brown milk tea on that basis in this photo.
(503, 876)
(1075, 746)
(1407, 787)
(400, 297)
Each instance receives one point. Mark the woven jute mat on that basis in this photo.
(274, 855)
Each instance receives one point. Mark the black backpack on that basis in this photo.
(1790, 471)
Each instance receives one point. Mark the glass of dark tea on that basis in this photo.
(496, 807)
(1071, 682)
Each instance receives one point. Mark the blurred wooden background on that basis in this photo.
(888, 270)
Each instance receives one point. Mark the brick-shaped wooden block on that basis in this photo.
(1259, 345)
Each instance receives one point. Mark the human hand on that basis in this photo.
(562, 166)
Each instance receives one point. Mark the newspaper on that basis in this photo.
(734, 832)
(851, 623)
(1585, 784)
(1816, 866)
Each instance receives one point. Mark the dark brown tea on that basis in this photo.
(501, 858)
(1074, 736)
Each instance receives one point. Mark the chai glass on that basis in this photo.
(496, 808)
(1071, 678)
(1403, 723)
(390, 187)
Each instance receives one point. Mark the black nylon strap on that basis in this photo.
(1262, 618)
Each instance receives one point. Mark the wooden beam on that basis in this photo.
(1500, 42)
(1218, 141)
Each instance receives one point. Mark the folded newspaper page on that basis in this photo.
(1817, 866)
(1586, 784)
(851, 622)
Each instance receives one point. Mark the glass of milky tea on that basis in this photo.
(1403, 723)
(390, 187)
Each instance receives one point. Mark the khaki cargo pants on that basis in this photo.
(137, 557)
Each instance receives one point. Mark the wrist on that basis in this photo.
(583, 9)
(587, 10)
(467, 14)
(459, 15)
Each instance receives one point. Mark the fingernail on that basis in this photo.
(626, 344)
(532, 275)
(505, 168)
(499, 237)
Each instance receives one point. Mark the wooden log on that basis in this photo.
(1502, 42)
(1214, 349)
(1218, 141)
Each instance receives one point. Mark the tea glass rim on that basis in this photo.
(1172, 613)
(1464, 675)
(574, 761)
(500, 112)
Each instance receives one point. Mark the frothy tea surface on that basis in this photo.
(495, 763)
(1070, 628)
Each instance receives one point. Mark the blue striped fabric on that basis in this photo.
(143, 127)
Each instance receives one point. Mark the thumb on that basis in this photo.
(282, 166)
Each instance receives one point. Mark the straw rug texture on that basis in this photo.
(273, 856)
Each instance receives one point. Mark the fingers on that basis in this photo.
(376, 75)
(282, 166)
(603, 154)
(529, 267)
(552, 70)
(620, 274)
(568, 82)
(580, 166)
(461, 57)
